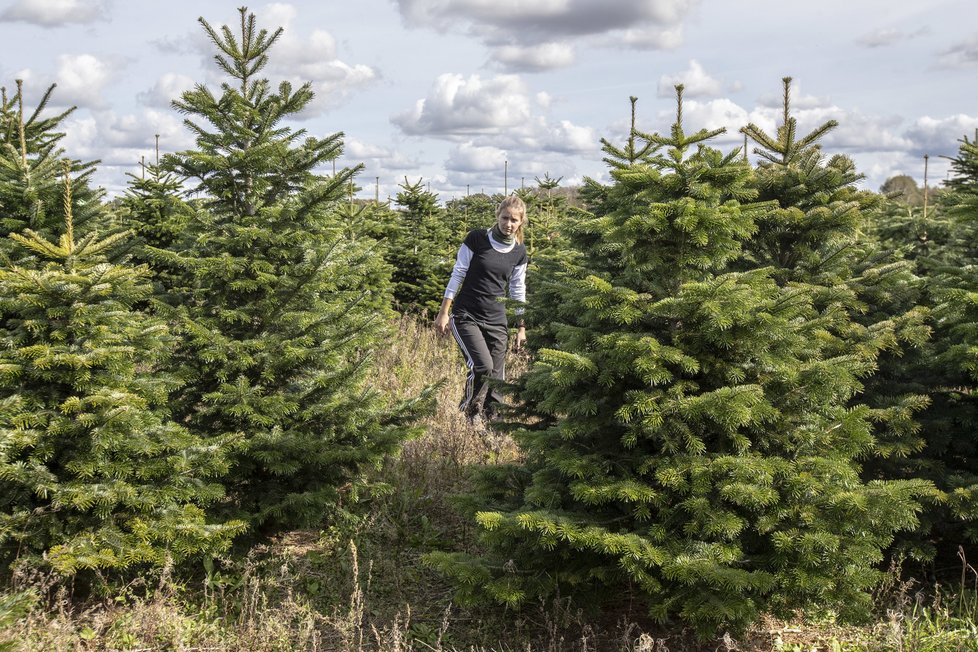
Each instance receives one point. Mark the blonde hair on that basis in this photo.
(515, 203)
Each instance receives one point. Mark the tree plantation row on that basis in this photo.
(752, 384)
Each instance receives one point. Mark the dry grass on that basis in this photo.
(418, 357)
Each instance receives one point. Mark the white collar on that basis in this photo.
(501, 247)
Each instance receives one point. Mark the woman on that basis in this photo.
(488, 261)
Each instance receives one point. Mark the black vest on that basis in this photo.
(487, 278)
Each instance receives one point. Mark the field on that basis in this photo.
(361, 585)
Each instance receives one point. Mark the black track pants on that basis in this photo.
(484, 349)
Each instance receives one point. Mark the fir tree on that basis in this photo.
(544, 223)
(421, 250)
(475, 211)
(154, 210)
(284, 308)
(691, 437)
(92, 473)
(905, 230)
(30, 167)
(824, 236)
(947, 371)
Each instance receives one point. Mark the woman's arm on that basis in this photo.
(517, 292)
(462, 262)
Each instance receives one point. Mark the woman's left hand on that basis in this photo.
(520, 341)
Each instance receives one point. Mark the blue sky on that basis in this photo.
(457, 91)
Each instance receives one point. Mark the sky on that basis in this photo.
(490, 95)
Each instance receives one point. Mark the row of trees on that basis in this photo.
(174, 372)
(754, 383)
(751, 381)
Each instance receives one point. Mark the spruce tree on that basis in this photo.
(690, 438)
(93, 475)
(284, 307)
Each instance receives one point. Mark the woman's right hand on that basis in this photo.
(441, 322)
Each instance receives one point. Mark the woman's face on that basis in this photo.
(509, 220)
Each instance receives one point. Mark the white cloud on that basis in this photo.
(118, 139)
(312, 58)
(296, 57)
(962, 54)
(512, 28)
(457, 106)
(696, 81)
(569, 138)
(940, 136)
(376, 158)
(487, 168)
(798, 99)
(857, 131)
(83, 77)
(493, 121)
(467, 157)
(885, 37)
(167, 88)
(880, 166)
(720, 113)
(56, 13)
(121, 141)
(650, 38)
(546, 56)
(277, 13)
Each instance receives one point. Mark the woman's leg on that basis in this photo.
(497, 340)
(472, 342)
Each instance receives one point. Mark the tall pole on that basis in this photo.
(376, 190)
(925, 185)
(505, 177)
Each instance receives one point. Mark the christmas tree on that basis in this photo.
(691, 438)
(154, 210)
(283, 307)
(475, 211)
(947, 372)
(837, 241)
(421, 250)
(30, 168)
(93, 475)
